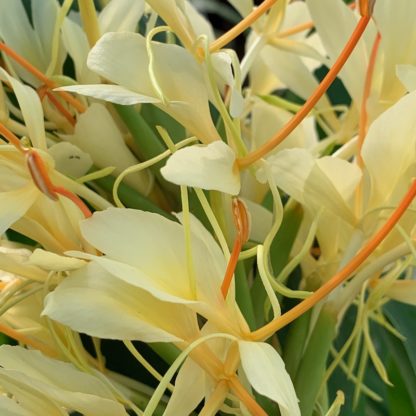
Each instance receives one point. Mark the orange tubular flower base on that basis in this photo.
(278, 323)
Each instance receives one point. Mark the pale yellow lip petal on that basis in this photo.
(265, 370)
(389, 150)
(93, 301)
(407, 76)
(121, 16)
(14, 204)
(208, 167)
(51, 261)
(58, 382)
(124, 59)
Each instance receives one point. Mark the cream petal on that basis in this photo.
(403, 291)
(210, 167)
(335, 33)
(123, 59)
(290, 169)
(16, 31)
(70, 160)
(14, 204)
(407, 76)
(265, 370)
(60, 382)
(96, 129)
(112, 93)
(189, 390)
(9, 407)
(121, 16)
(147, 243)
(51, 261)
(388, 161)
(94, 302)
(31, 108)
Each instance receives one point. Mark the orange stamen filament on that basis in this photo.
(241, 26)
(254, 156)
(242, 224)
(60, 108)
(269, 329)
(238, 389)
(366, 93)
(39, 75)
(18, 336)
(75, 199)
(39, 173)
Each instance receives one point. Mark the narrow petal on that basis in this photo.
(209, 167)
(265, 370)
(189, 390)
(407, 76)
(403, 291)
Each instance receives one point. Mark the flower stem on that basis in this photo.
(269, 329)
(241, 26)
(254, 156)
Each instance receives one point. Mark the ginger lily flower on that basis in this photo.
(171, 293)
(41, 385)
(124, 59)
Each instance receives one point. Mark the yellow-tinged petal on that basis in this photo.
(389, 152)
(59, 382)
(265, 371)
(407, 76)
(403, 291)
(51, 261)
(97, 303)
(210, 167)
(124, 59)
(121, 16)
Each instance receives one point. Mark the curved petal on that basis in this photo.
(123, 58)
(94, 302)
(121, 16)
(210, 167)
(265, 370)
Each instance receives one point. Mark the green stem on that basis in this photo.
(313, 363)
(242, 294)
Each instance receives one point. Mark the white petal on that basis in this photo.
(407, 76)
(123, 58)
(59, 382)
(9, 407)
(95, 130)
(112, 93)
(70, 160)
(31, 108)
(14, 204)
(93, 301)
(51, 261)
(121, 16)
(388, 161)
(265, 370)
(209, 167)
(189, 390)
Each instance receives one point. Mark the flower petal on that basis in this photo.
(210, 167)
(265, 370)
(121, 16)
(94, 302)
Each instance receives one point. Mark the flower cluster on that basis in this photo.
(158, 186)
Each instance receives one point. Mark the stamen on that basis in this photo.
(367, 7)
(60, 108)
(40, 175)
(254, 156)
(241, 221)
(75, 199)
(44, 79)
(12, 138)
(269, 329)
(18, 336)
(241, 26)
